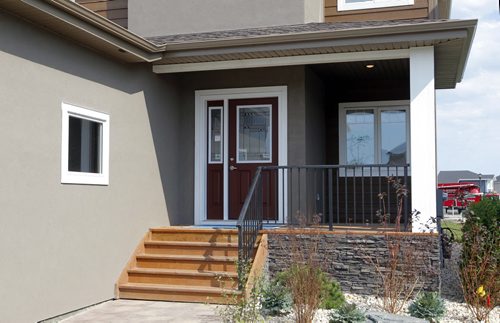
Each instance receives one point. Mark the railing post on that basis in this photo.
(406, 197)
(330, 199)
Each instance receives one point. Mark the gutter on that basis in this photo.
(104, 24)
(99, 27)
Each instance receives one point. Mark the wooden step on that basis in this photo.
(183, 277)
(178, 293)
(191, 248)
(190, 262)
(194, 234)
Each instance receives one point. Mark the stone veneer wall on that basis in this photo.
(351, 258)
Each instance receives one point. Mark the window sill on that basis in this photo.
(84, 178)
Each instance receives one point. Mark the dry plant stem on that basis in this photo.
(400, 274)
(304, 276)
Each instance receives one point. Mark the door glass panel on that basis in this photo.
(393, 137)
(215, 136)
(254, 134)
(360, 136)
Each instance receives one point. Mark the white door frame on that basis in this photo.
(201, 154)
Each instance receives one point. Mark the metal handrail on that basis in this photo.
(248, 228)
(335, 194)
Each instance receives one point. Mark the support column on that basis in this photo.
(423, 137)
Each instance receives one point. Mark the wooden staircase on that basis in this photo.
(183, 264)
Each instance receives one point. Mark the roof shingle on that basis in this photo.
(283, 30)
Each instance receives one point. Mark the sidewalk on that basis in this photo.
(146, 311)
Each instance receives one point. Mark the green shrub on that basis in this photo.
(428, 306)
(347, 313)
(276, 298)
(331, 294)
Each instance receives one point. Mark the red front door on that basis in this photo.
(253, 142)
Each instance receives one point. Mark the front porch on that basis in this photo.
(342, 130)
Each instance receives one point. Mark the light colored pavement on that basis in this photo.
(127, 311)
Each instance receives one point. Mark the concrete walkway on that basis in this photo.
(146, 311)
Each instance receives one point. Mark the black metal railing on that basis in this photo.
(328, 195)
(249, 224)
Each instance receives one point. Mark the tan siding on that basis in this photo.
(419, 10)
(114, 10)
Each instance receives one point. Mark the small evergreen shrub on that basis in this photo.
(331, 294)
(428, 306)
(347, 313)
(276, 298)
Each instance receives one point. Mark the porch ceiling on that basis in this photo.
(393, 69)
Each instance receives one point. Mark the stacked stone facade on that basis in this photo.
(356, 260)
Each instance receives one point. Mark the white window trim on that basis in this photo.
(68, 177)
(377, 106)
(370, 4)
(264, 161)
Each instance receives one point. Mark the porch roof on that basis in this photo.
(323, 42)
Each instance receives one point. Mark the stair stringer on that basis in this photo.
(132, 262)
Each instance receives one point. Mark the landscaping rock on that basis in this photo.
(382, 317)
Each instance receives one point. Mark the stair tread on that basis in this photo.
(178, 288)
(192, 243)
(186, 272)
(188, 257)
(192, 230)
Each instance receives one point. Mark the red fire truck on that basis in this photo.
(458, 195)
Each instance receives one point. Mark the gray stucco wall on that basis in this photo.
(315, 119)
(292, 77)
(64, 246)
(166, 17)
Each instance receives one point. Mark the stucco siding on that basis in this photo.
(63, 246)
(166, 17)
(315, 119)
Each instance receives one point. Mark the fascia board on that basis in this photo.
(353, 41)
(464, 57)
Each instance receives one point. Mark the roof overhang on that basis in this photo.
(70, 20)
(451, 39)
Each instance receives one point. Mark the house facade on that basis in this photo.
(108, 131)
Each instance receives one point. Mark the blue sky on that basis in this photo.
(468, 117)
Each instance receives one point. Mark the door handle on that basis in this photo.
(233, 167)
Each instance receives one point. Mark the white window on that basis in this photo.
(85, 146)
(374, 133)
(369, 4)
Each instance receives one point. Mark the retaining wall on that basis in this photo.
(356, 260)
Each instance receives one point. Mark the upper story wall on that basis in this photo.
(166, 17)
(163, 17)
(418, 10)
(114, 10)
